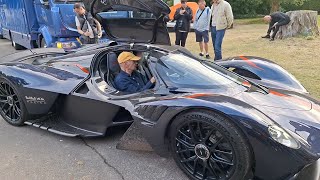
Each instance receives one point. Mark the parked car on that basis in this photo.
(215, 123)
(193, 5)
(171, 24)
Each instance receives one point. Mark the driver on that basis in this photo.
(130, 80)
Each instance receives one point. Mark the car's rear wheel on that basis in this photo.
(17, 46)
(206, 145)
(43, 43)
(12, 108)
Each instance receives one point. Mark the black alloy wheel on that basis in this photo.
(206, 146)
(12, 108)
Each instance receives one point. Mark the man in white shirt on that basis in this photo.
(221, 19)
(87, 26)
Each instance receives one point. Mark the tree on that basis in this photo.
(245, 8)
(169, 2)
(308, 5)
(275, 4)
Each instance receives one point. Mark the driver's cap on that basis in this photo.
(127, 56)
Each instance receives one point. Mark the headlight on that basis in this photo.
(66, 45)
(282, 137)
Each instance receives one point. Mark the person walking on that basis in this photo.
(221, 19)
(87, 26)
(275, 20)
(201, 26)
(183, 17)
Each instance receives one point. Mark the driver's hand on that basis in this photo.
(153, 80)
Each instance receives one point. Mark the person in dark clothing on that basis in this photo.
(275, 20)
(87, 26)
(129, 80)
(183, 17)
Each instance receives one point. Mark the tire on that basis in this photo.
(17, 46)
(43, 43)
(12, 108)
(1, 37)
(220, 151)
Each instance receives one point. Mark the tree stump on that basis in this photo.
(302, 23)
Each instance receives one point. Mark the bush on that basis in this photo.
(241, 8)
(252, 8)
(309, 5)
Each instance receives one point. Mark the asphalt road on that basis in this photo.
(30, 153)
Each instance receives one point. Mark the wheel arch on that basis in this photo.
(37, 91)
(209, 110)
(37, 102)
(231, 119)
(172, 113)
(32, 77)
(10, 91)
(204, 109)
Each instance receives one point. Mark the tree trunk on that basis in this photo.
(301, 23)
(275, 6)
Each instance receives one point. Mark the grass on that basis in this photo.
(249, 21)
(299, 56)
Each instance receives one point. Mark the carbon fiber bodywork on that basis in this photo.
(263, 71)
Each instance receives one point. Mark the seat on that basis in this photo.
(103, 68)
(113, 68)
(143, 69)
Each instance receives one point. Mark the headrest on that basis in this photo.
(113, 64)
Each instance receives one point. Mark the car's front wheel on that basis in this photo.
(206, 145)
(12, 108)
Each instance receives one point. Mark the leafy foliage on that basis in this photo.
(169, 2)
(252, 8)
(308, 5)
(245, 8)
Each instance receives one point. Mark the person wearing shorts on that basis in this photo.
(201, 26)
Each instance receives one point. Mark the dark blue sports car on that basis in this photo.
(240, 118)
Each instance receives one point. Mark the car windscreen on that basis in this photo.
(180, 71)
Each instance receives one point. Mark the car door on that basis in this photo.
(132, 21)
